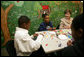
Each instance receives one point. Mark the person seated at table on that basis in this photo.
(46, 24)
(23, 42)
(67, 20)
(77, 47)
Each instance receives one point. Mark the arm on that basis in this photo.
(61, 25)
(26, 44)
(51, 25)
(64, 25)
(32, 36)
(67, 27)
(42, 28)
(35, 45)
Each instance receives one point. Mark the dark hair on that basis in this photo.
(23, 19)
(78, 22)
(44, 15)
(67, 10)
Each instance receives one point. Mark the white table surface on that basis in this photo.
(51, 42)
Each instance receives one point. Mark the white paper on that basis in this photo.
(63, 37)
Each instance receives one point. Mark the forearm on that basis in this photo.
(61, 27)
(42, 29)
(32, 36)
(39, 38)
(36, 44)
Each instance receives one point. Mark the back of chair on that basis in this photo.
(10, 48)
(58, 27)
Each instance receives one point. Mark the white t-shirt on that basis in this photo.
(24, 44)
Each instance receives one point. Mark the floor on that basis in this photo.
(4, 52)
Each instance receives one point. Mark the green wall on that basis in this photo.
(30, 9)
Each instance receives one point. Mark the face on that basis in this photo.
(46, 19)
(27, 26)
(77, 34)
(67, 15)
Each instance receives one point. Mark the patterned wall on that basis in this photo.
(30, 9)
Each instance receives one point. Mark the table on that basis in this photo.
(51, 42)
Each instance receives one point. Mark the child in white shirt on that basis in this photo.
(23, 42)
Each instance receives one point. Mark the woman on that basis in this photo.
(66, 21)
(76, 48)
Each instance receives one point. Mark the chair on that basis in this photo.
(10, 48)
(58, 27)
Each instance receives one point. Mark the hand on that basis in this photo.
(50, 29)
(69, 43)
(35, 35)
(67, 27)
(54, 28)
(42, 34)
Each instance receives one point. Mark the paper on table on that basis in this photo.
(52, 32)
(51, 43)
(63, 37)
(39, 38)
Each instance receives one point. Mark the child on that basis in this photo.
(46, 25)
(23, 42)
(77, 49)
(66, 21)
